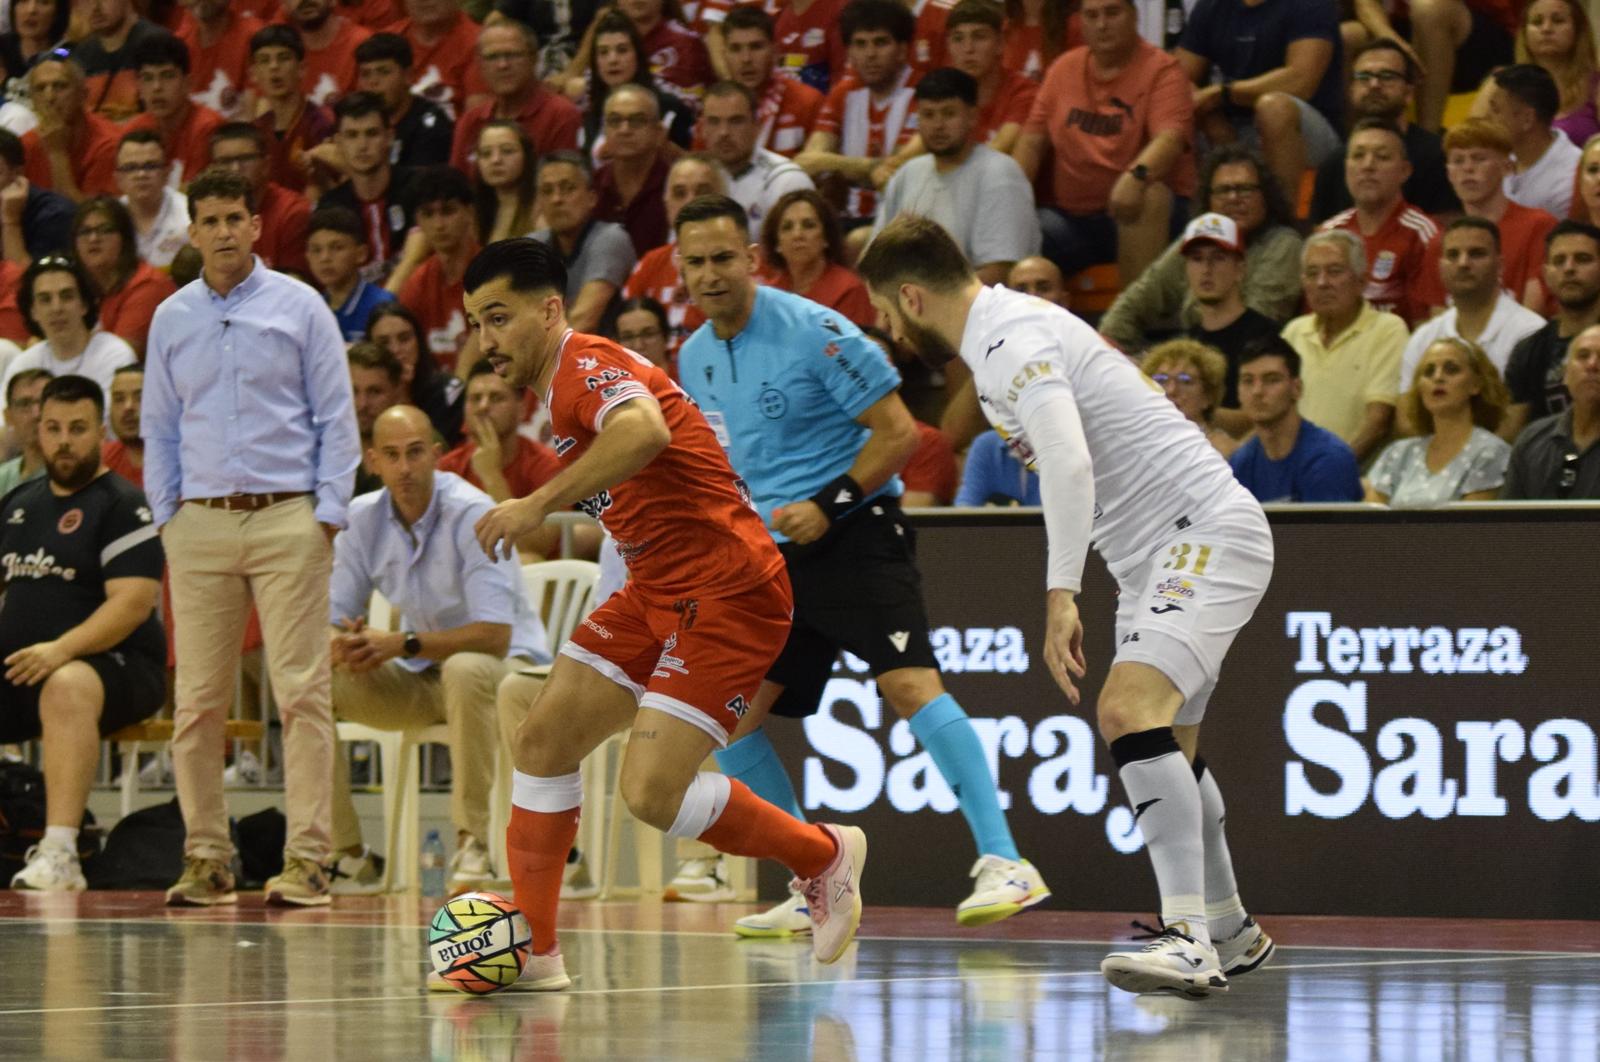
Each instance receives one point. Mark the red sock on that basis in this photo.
(749, 826)
(537, 843)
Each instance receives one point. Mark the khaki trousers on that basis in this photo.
(279, 558)
(459, 693)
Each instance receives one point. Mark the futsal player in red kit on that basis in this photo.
(676, 655)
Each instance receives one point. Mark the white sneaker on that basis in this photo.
(245, 770)
(358, 875)
(576, 882)
(543, 973)
(469, 867)
(700, 881)
(833, 898)
(1247, 949)
(789, 919)
(1173, 962)
(50, 869)
(1004, 888)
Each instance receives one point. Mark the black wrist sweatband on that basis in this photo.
(839, 496)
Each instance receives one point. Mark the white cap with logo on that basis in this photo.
(1213, 228)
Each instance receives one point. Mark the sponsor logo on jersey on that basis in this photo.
(562, 443)
(738, 706)
(668, 663)
(601, 631)
(1174, 588)
(70, 521)
(18, 516)
(595, 504)
(688, 610)
(1383, 265)
(588, 364)
(605, 376)
(36, 565)
(772, 403)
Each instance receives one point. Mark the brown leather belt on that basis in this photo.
(247, 503)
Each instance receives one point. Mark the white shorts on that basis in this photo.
(1179, 609)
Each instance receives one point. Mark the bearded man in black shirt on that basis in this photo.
(83, 651)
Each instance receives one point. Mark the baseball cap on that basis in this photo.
(1215, 228)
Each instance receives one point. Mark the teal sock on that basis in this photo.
(947, 734)
(754, 761)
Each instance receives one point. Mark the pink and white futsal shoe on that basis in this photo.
(833, 898)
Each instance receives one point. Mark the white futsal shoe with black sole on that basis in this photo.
(1246, 950)
(1174, 962)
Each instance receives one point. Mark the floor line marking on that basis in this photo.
(1001, 975)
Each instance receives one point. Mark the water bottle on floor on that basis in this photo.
(433, 862)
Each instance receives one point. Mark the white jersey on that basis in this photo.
(1153, 471)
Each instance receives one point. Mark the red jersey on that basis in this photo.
(1397, 259)
(808, 46)
(678, 58)
(219, 74)
(927, 42)
(684, 524)
(656, 275)
(1012, 101)
(785, 114)
(932, 467)
(439, 70)
(330, 72)
(126, 312)
(552, 122)
(92, 155)
(437, 304)
(869, 127)
(284, 215)
(531, 467)
(1023, 47)
(286, 151)
(189, 145)
(12, 326)
(1522, 233)
(376, 15)
(114, 455)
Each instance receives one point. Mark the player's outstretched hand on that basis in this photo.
(500, 527)
(801, 522)
(1063, 641)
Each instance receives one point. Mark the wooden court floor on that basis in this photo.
(118, 976)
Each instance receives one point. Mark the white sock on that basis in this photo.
(1166, 799)
(62, 837)
(1224, 911)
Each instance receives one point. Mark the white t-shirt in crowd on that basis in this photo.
(100, 360)
(1509, 322)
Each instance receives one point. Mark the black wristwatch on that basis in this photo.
(413, 644)
(1141, 172)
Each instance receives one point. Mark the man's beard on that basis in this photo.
(1389, 112)
(73, 476)
(928, 345)
(312, 25)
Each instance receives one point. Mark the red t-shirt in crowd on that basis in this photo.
(439, 70)
(808, 46)
(284, 215)
(219, 74)
(785, 114)
(868, 127)
(1522, 233)
(838, 288)
(286, 152)
(12, 326)
(932, 467)
(188, 146)
(657, 276)
(928, 41)
(1397, 259)
(552, 122)
(645, 216)
(330, 72)
(678, 57)
(1022, 46)
(114, 455)
(126, 312)
(437, 304)
(1012, 102)
(530, 467)
(684, 524)
(376, 15)
(1097, 128)
(92, 156)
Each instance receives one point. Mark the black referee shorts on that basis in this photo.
(856, 588)
(135, 688)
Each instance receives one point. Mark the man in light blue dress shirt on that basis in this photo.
(466, 624)
(250, 457)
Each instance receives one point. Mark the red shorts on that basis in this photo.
(700, 659)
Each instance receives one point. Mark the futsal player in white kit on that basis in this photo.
(1190, 549)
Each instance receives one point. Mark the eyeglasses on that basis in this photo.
(1183, 379)
(634, 337)
(628, 121)
(54, 261)
(141, 167)
(97, 230)
(1569, 475)
(1223, 191)
(1388, 77)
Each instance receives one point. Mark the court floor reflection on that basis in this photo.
(171, 987)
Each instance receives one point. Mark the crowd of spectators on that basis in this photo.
(1360, 256)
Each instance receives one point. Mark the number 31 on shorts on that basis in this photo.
(1188, 557)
